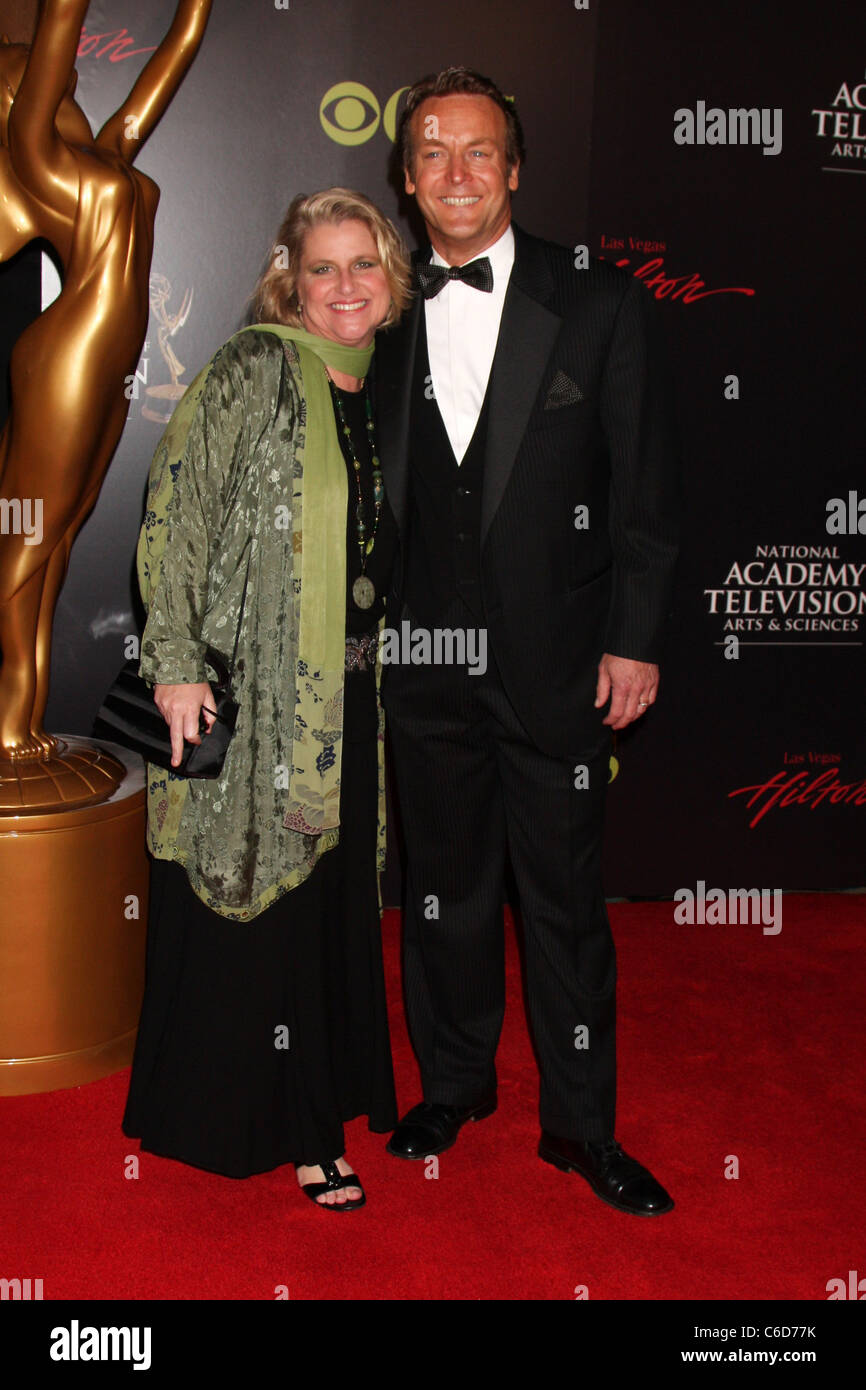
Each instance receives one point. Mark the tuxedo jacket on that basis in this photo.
(580, 491)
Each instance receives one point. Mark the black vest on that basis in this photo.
(444, 553)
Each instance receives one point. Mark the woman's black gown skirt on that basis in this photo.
(211, 1085)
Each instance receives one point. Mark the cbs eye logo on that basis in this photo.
(356, 114)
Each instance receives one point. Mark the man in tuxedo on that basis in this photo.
(527, 454)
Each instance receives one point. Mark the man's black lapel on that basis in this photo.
(527, 334)
(395, 368)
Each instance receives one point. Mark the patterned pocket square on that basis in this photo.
(563, 391)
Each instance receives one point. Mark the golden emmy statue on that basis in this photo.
(69, 368)
(73, 868)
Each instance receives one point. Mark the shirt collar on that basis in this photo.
(500, 255)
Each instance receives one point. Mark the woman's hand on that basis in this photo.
(181, 708)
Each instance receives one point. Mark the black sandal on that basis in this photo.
(334, 1180)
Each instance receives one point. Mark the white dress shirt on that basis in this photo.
(462, 329)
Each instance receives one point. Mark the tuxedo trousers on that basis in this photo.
(473, 788)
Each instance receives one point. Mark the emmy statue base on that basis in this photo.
(72, 933)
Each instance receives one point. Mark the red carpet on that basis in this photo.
(730, 1043)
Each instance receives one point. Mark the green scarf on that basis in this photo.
(321, 567)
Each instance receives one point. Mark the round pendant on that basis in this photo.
(363, 591)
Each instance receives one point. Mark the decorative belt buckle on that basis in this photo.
(361, 651)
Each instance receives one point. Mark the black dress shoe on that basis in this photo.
(616, 1178)
(431, 1129)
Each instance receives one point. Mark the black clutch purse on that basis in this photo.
(130, 717)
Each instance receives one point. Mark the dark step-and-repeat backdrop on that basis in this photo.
(716, 151)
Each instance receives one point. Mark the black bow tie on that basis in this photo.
(478, 274)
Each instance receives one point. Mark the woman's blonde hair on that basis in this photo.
(275, 298)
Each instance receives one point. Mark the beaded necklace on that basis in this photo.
(363, 589)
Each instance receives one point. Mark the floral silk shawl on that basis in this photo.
(250, 472)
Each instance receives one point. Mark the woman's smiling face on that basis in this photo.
(342, 286)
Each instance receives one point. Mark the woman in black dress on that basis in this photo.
(264, 1023)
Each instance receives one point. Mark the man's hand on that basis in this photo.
(631, 686)
(181, 708)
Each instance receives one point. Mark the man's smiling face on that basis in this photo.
(460, 173)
